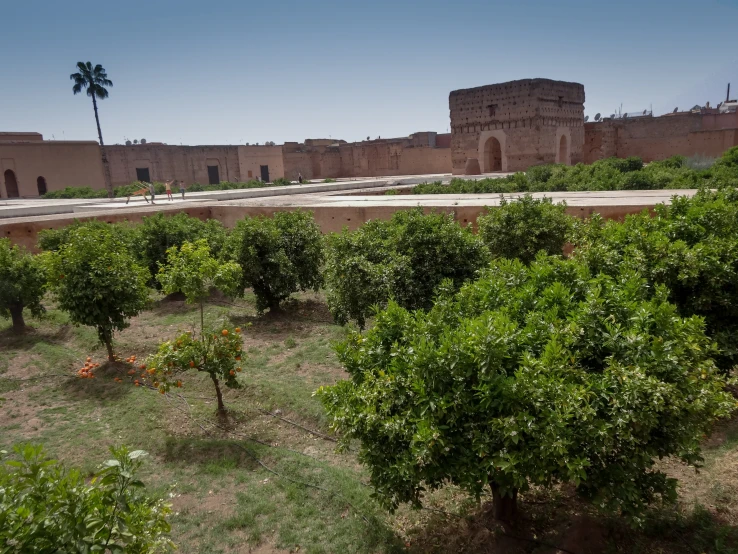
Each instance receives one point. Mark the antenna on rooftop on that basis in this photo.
(586, 118)
(597, 116)
(727, 96)
(645, 112)
(676, 110)
(143, 141)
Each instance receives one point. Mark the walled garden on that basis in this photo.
(410, 386)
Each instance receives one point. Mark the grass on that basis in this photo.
(225, 501)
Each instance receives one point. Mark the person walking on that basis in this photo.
(299, 178)
(182, 188)
(152, 192)
(168, 189)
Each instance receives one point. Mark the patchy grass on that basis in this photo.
(242, 486)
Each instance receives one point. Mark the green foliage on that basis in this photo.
(729, 160)
(281, 182)
(218, 353)
(45, 507)
(610, 174)
(531, 375)
(96, 280)
(76, 192)
(279, 255)
(522, 228)
(158, 233)
(405, 258)
(690, 246)
(192, 270)
(126, 190)
(52, 239)
(22, 280)
(329, 180)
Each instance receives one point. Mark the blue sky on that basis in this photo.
(231, 72)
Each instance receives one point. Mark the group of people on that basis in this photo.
(149, 187)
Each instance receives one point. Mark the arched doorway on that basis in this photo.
(41, 184)
(492, 155)
(11, 184)
(563, 151)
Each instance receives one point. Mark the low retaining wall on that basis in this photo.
(24, 231)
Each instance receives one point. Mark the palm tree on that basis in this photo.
(95, 79)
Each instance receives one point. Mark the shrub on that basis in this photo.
(690, 246)
(217, 353)
(97, 281)
(76, 192)
(191, 270)
(45, 507)
(281, 182)
(729, 159)
(278, 255)
(158, 233)
(609, 174)
(521, 228)
(405, 258)
(22, 281)
(531, 375)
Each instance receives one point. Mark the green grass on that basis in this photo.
(223, 499)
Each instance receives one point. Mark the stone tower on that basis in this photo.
(513, 126)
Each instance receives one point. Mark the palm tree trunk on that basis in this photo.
(106, 166)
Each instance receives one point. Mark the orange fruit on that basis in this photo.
(238, 358)
(192, 364)
(179, 383)
(161, 391)
(233, 372)
(224, 332)
(238, 369)
(89, 359)
(142, 366)
(238, 329)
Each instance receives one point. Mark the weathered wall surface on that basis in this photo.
(251, 158)
(512, 126)
(657, 138)
(186, 163)
(60, 163)
(366, 159)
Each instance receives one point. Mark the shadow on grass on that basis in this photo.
(103, 387)
(214, 454)
(10, 340)
(679, 531)
(294, 314)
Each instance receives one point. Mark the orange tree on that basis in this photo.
(191, 270)
(530, 376)
(96, 280)
(22, 283)
(216, 353)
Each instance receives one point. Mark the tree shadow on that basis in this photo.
(102, 387)
(10, 340)
(211, 451)
(294, 315)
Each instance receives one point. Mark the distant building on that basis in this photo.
(512, 126)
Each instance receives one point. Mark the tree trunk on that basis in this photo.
(505, 508)
(107, 338)
(221, 406)
(106, 165)
(16, 313)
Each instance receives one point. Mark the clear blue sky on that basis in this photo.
(230, 72)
